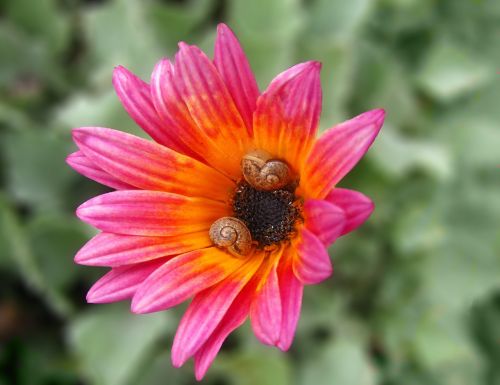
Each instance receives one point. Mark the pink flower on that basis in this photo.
(226, 161)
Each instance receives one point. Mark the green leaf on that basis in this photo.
(343, 361)
(44, 22)
(397, 155)
(102, 109)
(36, 170)
(418, 229)
(336, 19)
(471, 130)
(54, 241)
(267, 37)
(441, 340)
(486, 327)
(112, 345)
(260, 366)
(20, 57)
(120, 34)
(176, 22)
(13, 118)
(280, 19)
(466, 267)
(160, 369)
(450, 71)
(16, 246)
(382, 81)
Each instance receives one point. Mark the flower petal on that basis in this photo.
(233, 319)
(265, 311)
(82, 164)
(182, 277)
(173, 112)
(108, 249)
(338, 150)
(325, 220)
(286, 76)
(291, 290)
(207, 309)
(357, 207)
(212, 108)
(313, 264)
(233, 66)
(121, 282)
(136, 98)
(150, 213)
(150, 166)
(287, 114)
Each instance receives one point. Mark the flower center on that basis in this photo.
(269, 215)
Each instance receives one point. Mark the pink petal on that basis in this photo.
(150, 166)
(287, 114)
(211, 108)
(182, 277)
(233, 66)
(136, 98)
(325, 220)
(357, 207)
(107, 249)
(338, 150)
(206, 311)
(291, 290)
(234, 318)
(121, 282)
(150, 213)
(313, 264)
(286, 76)
(172, 110)
(82, 164)
(265, 311)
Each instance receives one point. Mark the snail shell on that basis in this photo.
(264, 173)
(232, 234)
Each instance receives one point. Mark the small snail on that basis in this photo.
(264, 173)
(232, 234)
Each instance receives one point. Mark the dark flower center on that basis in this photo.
(269, 215)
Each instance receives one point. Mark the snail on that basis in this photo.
(264, 173)
(232, 234)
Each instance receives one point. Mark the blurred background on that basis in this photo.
(416, 294)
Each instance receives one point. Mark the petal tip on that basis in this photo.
(284, 346)
(137, 306)
(92, 297)
(71, 159)
(199, 375)
(120, 73)
(183, 45)
(78, 134)
(80, 212)
(140, 304)
(378, 115)
(83, 257)
(78, 258)
(316, 64)
(178, 359)
(223, 28)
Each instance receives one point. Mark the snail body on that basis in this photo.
(264, 173)
(232, 234)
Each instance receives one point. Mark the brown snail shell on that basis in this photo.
(231, 233)
(264, 173)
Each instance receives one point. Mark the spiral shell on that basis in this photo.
(263, 173)
(232, 234)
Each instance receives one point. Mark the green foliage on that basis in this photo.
(416, 294)
(113, 344)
